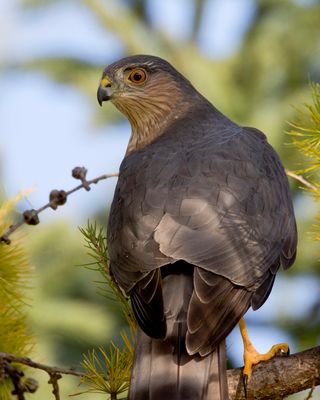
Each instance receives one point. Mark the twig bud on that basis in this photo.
(31, 217)
(79, 173)
(5, 239)
(30, 385)
(57, 198)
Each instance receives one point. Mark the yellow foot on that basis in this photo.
(252, 357)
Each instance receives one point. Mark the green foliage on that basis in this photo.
(15, 275)
(64, 299)
(96, 243)
(108, 372)
(306, 138)
(306, 133)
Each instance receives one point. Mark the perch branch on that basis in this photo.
(272, 380)
(279, 377)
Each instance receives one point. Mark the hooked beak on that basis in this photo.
(105, 91)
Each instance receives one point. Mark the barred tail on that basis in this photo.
(163, 370)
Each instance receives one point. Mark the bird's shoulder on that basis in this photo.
(193, 149)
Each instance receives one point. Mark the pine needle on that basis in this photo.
(15, 276)
(108, 371)
(96, 243)
(305, 135)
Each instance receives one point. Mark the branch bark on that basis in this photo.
(272, 380)
(279, 377)
(10, 358)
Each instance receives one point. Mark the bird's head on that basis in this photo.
(148, 90)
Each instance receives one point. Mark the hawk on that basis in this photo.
(200, 223)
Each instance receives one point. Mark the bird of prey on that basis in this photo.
(200, 223)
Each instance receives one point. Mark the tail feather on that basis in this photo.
(163, 369)
(157, 376)
(217, 383)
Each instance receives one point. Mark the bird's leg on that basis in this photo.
(252, 357)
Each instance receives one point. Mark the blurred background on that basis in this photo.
(253, 59)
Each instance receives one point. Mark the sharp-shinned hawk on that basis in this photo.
(200, 223)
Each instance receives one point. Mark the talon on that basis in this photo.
(281, 349)
(245, 380)
(282, 353)
(252, 357)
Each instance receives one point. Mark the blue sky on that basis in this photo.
(55, 120)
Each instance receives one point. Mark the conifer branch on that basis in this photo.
(96, 243)
(10, 358)
(23, 385)
(56, 198)
(15, 375)
(274, 379)
(302, 180)
(54, 377)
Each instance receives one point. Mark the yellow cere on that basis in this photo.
(105, 82)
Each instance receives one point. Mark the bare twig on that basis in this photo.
(29, 385)
(33, 364)
(15, 375)
(310, 393)
(54, 377)
(56, 198)
(302, 180)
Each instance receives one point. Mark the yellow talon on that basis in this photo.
(252, 357)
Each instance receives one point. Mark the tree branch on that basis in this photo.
(279, 377)
(15, 375)
(10, 358)
(30, 385)
(272, 380)
(56, 198)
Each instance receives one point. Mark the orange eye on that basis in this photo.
(137, 76)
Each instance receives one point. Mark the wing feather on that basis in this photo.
(220, 202)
